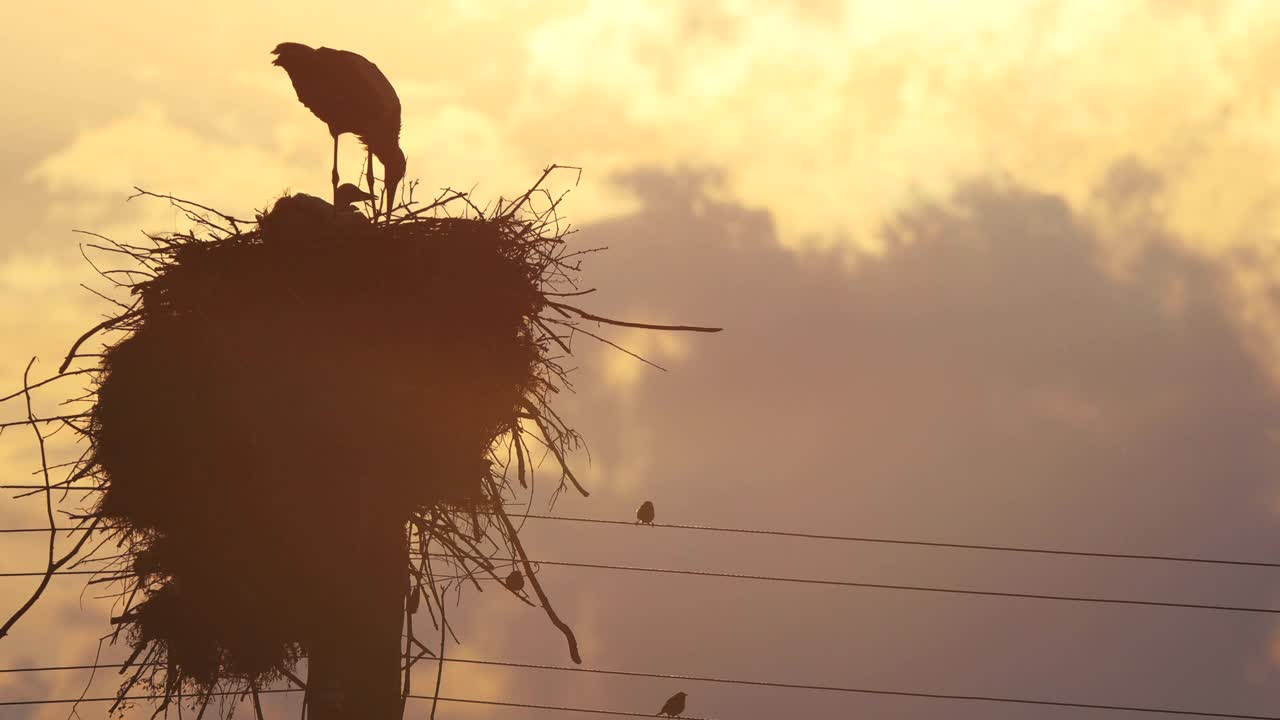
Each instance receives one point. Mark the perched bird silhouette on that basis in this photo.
(645, 513)
(351, 95)
(514, 581)
(307, 218)
(674, 705)
(347, 195)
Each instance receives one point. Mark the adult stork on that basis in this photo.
(351, 95)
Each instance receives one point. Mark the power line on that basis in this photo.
(828, 583)
(564, 708)
(859, 690)
(918, 543)
(976, 698)
(101, 528)
(914, 588)
(1026, 549)
(58, 572)
(63, 701)
(908, 588)
(911, 588)
(470, 701)
(732, 681)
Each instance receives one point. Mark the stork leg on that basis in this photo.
(369, 175)
(334, 176)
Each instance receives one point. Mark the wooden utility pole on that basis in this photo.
(354, 662)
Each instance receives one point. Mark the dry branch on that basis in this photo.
(263, 367)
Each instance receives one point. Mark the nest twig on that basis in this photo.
(262, 367)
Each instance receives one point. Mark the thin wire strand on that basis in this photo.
(565, 708)
(112, 698)
(469, 701)
(976, 698)
(923, 543)
(847, 689)
(1026, 549)
(912, 588)
(828, 583)
(701, 678)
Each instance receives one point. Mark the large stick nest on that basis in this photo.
(285, 391)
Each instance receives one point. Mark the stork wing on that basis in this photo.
(348, 92)
(364, 86)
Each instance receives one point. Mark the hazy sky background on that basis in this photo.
(996, 272)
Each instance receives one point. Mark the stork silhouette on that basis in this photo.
(347, 195)
(351, 95)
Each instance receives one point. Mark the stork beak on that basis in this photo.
(394, 163)
(392, 186)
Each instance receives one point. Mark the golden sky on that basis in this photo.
(1115, 160)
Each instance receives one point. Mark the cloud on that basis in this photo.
(832, 114)
(146, 148)
(988, 378)
(991, 373)
(836, 124)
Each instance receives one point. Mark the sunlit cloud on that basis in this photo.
(1137, 132)
(147, 149)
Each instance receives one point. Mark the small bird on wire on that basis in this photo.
(351, 95)
(514, 581)
(644, 515)
(674, 705)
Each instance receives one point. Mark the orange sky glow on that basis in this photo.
(990, 272)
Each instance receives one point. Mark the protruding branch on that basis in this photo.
(537, 586)
(53, 564)
(623, 323)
